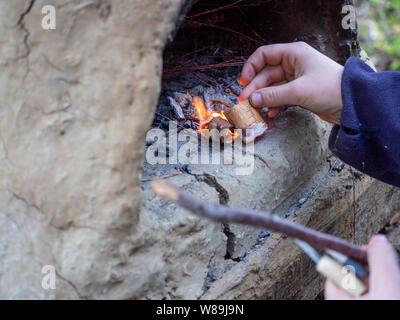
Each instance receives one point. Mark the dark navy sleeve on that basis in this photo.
(368, 137)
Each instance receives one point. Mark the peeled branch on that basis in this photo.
(255, 218)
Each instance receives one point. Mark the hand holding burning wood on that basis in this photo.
(241, 116)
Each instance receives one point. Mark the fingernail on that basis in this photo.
(256, 100)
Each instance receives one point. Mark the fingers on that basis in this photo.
(384, 273)
(332, 292)
(264, 78)
(384, 268)
(271, 55)
(275, 96)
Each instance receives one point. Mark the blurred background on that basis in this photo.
(379, 31)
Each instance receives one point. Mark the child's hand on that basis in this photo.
(293, 74)
(384, 280)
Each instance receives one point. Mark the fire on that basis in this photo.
(234, 135)
(201, 110)
(219, 115)
(205, 117)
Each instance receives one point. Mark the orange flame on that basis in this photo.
(216, 114)
(201, 110)
(205, 116)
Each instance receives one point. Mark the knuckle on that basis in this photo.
(266, 48)
(302, 44)
(301, 47)
(271, 95)
(260, 51)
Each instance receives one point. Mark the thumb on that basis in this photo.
(285, 94)
(384, 268)
(332, 292)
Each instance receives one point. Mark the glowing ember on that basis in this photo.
(205, 117)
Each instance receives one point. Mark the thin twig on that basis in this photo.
(194, 74)
(271, 222)
(165, 177)
(179, 69)
(165, 117)
(229, 6)
(214, 10)
(198, 50)
(222, 102)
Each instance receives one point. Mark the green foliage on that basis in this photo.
(380, 29)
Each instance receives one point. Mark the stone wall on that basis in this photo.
(75, 105)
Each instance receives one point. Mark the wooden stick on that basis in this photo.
(221, 102)
(271, 222)
(244, 116)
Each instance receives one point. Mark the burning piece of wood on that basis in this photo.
(224, 130)
(213, 120)
(271, 222)
(244, 116)
(219, 124)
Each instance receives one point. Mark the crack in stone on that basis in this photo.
(71, 225)
(28, 204)
(230, 242)
(21, 24)
(223, 196)
(262, 160)
(71, 284)
(22, 16)
(51, 224)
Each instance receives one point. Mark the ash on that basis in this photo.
(210, 74)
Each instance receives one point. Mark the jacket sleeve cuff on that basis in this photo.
(369, 131)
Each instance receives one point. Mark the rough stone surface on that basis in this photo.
(288, 156)
(74, 109)
(285, 158)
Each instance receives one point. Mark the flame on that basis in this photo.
(205, 117)
(201, 109)
(234, 135)
(219, 115)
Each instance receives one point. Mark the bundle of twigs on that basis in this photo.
(204, 19)
(271, 222)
